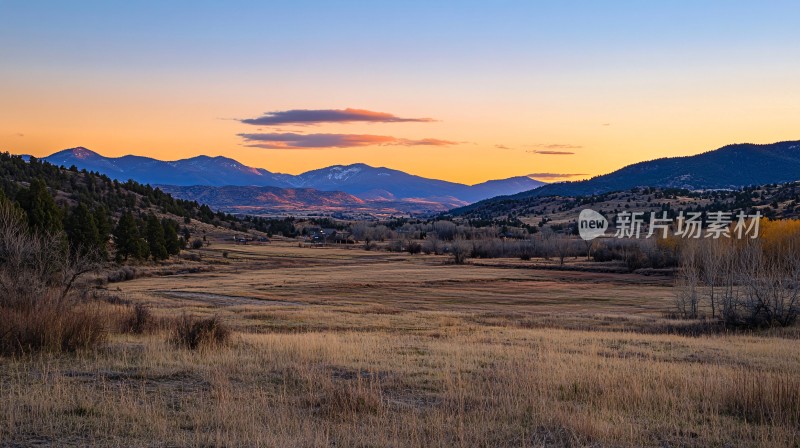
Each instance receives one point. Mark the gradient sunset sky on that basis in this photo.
(462, 91)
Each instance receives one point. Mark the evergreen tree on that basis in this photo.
(43, 213)
(126, 238)
(104, 228)
(82, 231)
(171, 241)
(155, 238)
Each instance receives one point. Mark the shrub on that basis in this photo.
(139, 321)
(194, 333)
(197, 244)
(39, 273)
(122, 274)
(395, 246)
(414, 247)
(460, 250)
(50, 325)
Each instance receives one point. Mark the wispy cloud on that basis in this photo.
(552, 153)
(318, 116)
(290, 140)
(554, 175)
(501, 147)
(556, 146)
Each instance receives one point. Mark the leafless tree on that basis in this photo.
(688, 281)
(432, 244)
(460, 250)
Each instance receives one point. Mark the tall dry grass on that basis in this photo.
(473, 386)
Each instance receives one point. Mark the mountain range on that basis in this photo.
(371, 185)
(730, 167)
(228, 185)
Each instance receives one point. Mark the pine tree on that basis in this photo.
(155, 238)
(43, 213)
(104, 229)
(171, 241)
(82, 231)
(126, 237)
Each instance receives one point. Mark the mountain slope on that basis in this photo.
(234, 196)
(269, 200)
(201, 170)
(362, 180)
(111, 199)
(729, 167)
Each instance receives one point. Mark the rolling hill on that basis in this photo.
(730, 167)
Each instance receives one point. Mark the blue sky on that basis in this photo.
(512, 74)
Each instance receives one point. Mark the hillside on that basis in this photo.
(730, 167)
(303, 201)
(774, 201)
(88, 206)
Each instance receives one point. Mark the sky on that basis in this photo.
(462, 91)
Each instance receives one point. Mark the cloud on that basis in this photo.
(427, 142)
(317, 116)
(553, 175)
(552, 153)
(290, 140)
(501, 147)
(556, 146)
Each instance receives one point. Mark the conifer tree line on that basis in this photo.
(87, 229)
(86, 211)
(107, 200)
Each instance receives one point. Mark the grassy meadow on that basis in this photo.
(346, 347)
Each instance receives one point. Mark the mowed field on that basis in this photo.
(345, 347)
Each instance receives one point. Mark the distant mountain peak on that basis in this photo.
(78, 152)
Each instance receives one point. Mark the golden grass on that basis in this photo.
(390, 355)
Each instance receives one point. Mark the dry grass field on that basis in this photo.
(344, 347)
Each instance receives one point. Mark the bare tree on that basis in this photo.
(711, 260)
(687, 282)
(460, 250)
(562, 246)
(746, 283)
(432, 244)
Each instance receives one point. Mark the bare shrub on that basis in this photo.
(635, 253)
(432, 245)
(395, 246)
(52, 325)
(413, 247)
(38, 311)
(197, 334)
(139, 320)
(122, 274)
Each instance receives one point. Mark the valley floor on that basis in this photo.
(344, 347)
